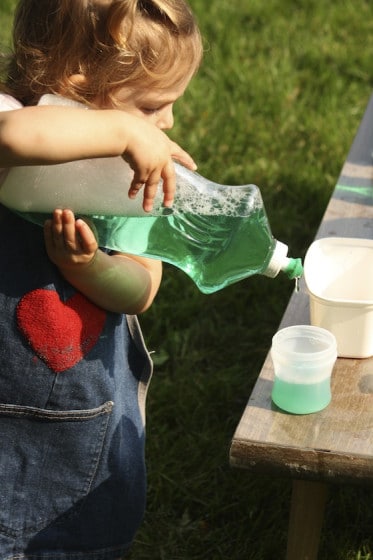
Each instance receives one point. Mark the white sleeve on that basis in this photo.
(7, 102)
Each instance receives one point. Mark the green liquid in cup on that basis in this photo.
(301, 398)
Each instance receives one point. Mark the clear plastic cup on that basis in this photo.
(303, 358)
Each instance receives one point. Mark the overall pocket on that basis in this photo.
(47, 463)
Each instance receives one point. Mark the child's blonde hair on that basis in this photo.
(112, 43)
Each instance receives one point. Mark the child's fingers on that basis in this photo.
(86, 237)
(183, 157)
(53, 229)
(69, 236)
(151, 186)
(169, 184)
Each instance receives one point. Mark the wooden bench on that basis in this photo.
(336, 444)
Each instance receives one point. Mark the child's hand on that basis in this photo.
(151, 154)
(69, 243)
(115, 282)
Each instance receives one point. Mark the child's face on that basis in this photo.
(154, 105)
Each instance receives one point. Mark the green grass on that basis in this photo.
(277, 102)
(6, 21)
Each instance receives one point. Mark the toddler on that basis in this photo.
(73, 365)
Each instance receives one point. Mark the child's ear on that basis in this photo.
(78, 79)
(77, 82)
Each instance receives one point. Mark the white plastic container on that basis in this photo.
(338, 272)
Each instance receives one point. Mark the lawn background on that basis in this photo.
(277, 102)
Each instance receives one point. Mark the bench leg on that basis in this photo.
(306, 518)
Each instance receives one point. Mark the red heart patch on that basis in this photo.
(61, 334)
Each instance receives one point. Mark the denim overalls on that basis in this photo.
(73, 381)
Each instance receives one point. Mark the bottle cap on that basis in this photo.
(279, 261)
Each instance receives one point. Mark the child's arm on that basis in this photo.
(119, 283)
(48, 135)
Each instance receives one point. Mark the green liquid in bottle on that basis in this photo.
(214, 250)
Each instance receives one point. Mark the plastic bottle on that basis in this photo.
(217, 234)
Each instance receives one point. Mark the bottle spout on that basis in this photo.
(293, 268)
